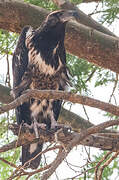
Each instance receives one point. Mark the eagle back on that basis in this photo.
(47, 61)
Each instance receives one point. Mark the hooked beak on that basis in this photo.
(68, 15)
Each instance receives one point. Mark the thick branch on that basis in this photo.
(80, 40)
(107, 141)
(5, 97)
(66, 116)
(87, 1)
(51, 94)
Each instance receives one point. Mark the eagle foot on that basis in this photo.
(28, 126)
(39, 125)
(26, 91)
(15, 92)
(60, 126)
(34, 126)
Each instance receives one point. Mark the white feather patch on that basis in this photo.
(45, 68)
(33, 147)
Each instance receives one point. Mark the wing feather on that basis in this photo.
(19, 66)
(23, 114)
(20, 58)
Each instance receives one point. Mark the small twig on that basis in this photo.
(57, 139)
(99, 163)
(88, 153)
(31, 173)
(70, 166)
(96, 12)
(20, 168)
(86, 113)
(16, 145)
(115, 100)
(7, 162)
(8, 147)
(7, 81)
(54, 165)
(114, 88)
(83, 172)
(56, 176)
(91, 75)
(106, 164)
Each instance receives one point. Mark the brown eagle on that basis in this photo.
(39, 62)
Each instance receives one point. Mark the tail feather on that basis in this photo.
(29, 152)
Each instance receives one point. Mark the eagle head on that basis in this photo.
(60, 17)
(55, 23)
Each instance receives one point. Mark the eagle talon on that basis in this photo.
(37, 125)
(41, 125)
(59, 126)
(28, 126)
(26, 91)
(14, 93)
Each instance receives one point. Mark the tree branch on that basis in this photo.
(101, 169)
(52, 94)
(69, 140)
(75, 141)
(82, 41)
(68, 117)
(99, 163)
(107, 141)
(5, 97)
(71, 118)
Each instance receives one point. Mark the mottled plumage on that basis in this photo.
(39, 62)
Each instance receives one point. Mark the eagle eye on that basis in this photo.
(53, 21)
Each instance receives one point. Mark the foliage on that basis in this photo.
(81, 72)
(11, 156)
(108, 172)
(48, 4)
(7, 42)
(104, 77)
(111, 12)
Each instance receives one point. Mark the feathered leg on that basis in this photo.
(29, 152)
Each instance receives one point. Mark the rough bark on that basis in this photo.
(5, 97)
(104, 141)
(76, 121)
(82, 41)
(15, 14)
(62, 95)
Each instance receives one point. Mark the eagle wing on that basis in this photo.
(19, 67)
(20, 63)
(20, 58)
(62, 56)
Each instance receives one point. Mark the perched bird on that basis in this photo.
(39, 62)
